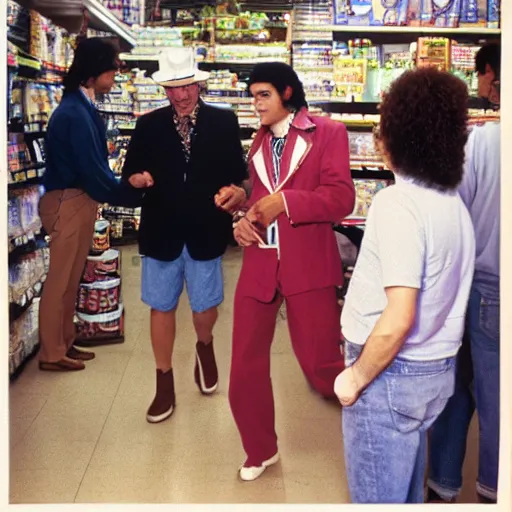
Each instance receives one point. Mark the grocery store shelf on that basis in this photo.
(19, 370)
(398, 29)
(69, 15)
(33, 292)
(25, 244)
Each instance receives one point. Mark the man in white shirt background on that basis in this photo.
(480, 191)
(403, 316)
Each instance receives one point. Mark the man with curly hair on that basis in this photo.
(480, 190)
(403, 316)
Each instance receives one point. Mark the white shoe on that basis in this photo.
(254, 472)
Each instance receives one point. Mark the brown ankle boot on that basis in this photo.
(165, 400)
(205, 371)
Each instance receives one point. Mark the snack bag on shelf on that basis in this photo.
(99, 329)
(99, 297)
(15, 227)
(29, 202)
(102, 267)
(365, 192)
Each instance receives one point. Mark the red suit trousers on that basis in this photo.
(314, 325)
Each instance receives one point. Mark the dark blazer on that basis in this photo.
(77, 155)
(179, 209)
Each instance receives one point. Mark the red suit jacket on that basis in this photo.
(316, 182)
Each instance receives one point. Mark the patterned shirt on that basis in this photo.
(277, 153)
(185, 127)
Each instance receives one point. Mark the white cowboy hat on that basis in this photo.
(177, 68)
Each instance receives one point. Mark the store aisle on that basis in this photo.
(83, 437)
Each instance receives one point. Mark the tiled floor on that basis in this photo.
(83, 437)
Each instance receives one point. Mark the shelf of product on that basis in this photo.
(25, 158)
(402, 15)
(127, 11)
(365, 192)
(396, 29)
(99, 316)
(224, 84)
(335, 66)
(152, 40)
(251, 54)
(26, 277)
(120, 99)
(24, 223)
(123, 222)
(23, 337)
(49, 43)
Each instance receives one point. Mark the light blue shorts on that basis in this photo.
(163, 281)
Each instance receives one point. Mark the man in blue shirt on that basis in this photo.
(480, 191)
(77, 178)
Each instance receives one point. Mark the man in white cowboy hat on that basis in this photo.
(188, 158)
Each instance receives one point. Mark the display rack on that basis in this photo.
(99, 317)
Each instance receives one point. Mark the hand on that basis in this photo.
(246, 234)
(141, 180)
(347, 387)
(230, 198)
(266, 210)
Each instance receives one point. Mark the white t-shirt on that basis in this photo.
(419, 238)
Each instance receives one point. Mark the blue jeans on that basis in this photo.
(384, 432)
(449, 434)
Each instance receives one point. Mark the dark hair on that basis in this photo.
(489, 54)
(281, 76)
(424, 127)
(93, 57)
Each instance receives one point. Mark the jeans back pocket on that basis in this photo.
(415, 401)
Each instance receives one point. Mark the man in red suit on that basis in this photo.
(300, 184)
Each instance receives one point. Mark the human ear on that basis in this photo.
(287, 94)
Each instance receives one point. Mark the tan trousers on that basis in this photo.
(68, 216)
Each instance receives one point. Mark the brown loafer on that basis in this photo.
(64, 365)
(80, 355)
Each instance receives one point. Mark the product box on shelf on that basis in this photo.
(365, 192)
(23, 218)
(441, 13)
(26, 277)
(434, 51)
(23, 336)
(362, 149)
(473, 13)
(385, 12)
(341, 10)
(493, 14)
